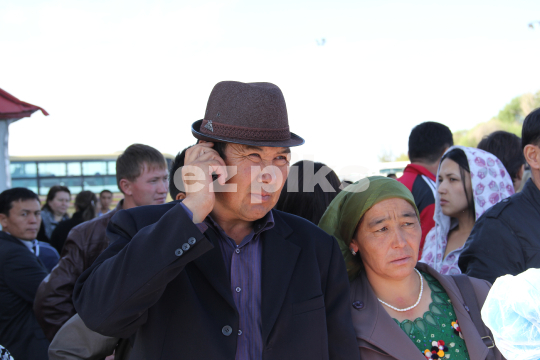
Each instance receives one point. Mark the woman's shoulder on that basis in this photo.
(481, 288)
(449, 282)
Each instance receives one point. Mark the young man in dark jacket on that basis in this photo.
(506, 239)
(20, 275)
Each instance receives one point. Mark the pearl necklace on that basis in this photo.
(417, 301)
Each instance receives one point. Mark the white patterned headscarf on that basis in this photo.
(490, 184)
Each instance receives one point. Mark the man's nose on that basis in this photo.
(267, 178)
(163, 187)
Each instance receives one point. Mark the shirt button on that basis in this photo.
(185, 247)
(239, 332)
(227, 330)
(237, 251)
(192, 241)
(238, 289)
(178, 252)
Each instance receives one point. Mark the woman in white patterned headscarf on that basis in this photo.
(4, 354)
(469, 181)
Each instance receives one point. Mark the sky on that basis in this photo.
(116, 72)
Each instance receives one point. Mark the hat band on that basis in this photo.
(211, 127)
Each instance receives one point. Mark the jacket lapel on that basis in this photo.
(278, 261)
(212, 265)
(381, 331)
(378, 331)
(475, 346)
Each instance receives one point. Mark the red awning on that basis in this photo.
(13, 108)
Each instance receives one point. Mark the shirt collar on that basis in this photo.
(28, 243)
(419, 169)
(265, 223)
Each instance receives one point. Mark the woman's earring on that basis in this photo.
(353, 252)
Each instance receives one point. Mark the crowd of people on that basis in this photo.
(255, 258)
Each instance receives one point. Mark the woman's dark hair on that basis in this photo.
(459, 157)
(85, 203)
(507, 148)
(52, 193)
(530, 132)
(302, 195)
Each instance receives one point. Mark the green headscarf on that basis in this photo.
(345, 211)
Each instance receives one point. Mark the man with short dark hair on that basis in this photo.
(507, 148)
(221, 275)
(506, 239)
(142, 176)
(20, 275)
(105, 201)
(427, 143)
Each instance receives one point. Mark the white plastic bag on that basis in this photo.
(512, 312)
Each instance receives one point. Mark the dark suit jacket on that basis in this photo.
(20, 275)
(179, 302)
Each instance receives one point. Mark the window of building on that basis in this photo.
(23, 169)
(112, 167)
(26, 183)
(74, 168)
(52, 169)
(73, 183)
(93, 168)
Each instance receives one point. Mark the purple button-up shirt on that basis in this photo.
(243, 264)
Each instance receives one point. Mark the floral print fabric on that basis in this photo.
(490, 184)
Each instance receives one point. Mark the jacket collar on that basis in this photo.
(10, 238)
(531, 191)
(374, 327)
(420, 170)
(109, 215)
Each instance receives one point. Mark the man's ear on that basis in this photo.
(180, 196)
(3, 220)
(125, 186)
(532, 156)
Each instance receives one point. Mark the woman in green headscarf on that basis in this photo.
(400, 309)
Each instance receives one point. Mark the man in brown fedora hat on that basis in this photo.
(221, 275)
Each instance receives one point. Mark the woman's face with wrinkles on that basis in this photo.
(388, 239)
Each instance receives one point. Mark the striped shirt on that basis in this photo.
(243, 264)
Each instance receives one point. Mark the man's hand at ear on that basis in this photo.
(201, 162)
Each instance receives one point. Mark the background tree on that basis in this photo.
(510, 119)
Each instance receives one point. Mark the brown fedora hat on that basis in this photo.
(248, 114)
